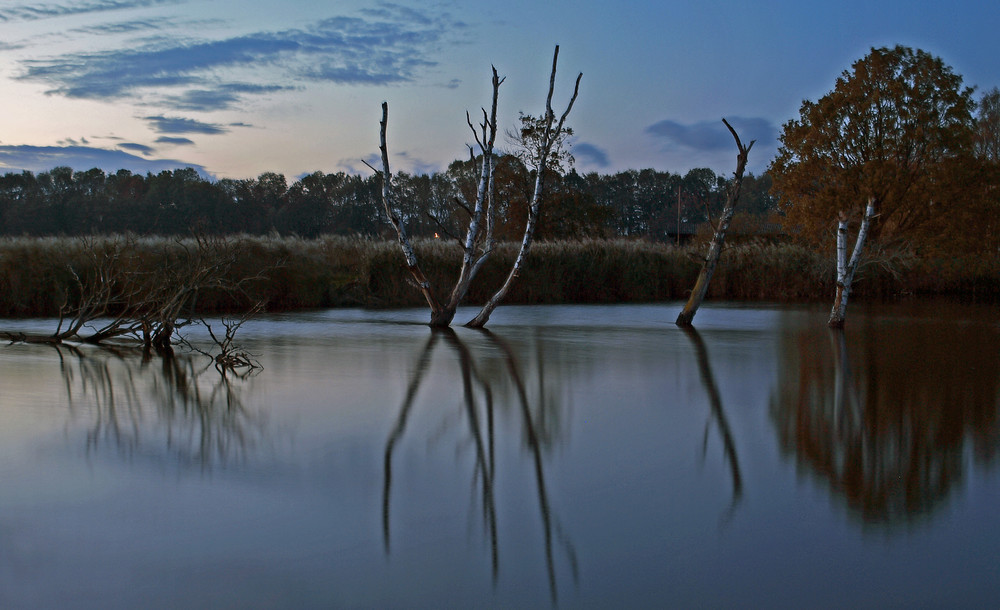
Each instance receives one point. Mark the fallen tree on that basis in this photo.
(120, 296)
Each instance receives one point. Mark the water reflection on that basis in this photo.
(890, 414)
(718, 416)
(482, 381)
(173, 409)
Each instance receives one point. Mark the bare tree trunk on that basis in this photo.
(478, 247)
(686, 316)
(438, 318)
(846, 270)
(478, 244)
(549, 139)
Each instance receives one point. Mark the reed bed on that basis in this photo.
(37, 274)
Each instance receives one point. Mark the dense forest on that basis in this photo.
(626, 204)
(899, 129)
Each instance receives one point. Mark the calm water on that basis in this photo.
(573, 457)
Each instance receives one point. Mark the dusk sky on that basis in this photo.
(239, 87)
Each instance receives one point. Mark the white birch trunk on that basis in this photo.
(549, 139)
(845, 272)
(476, 247)
(405, 245)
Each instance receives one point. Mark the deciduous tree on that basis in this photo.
(988, 126)
(894, 128)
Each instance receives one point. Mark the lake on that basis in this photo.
(573, 456)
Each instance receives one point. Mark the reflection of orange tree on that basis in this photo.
(167, 408)
(889, 432)
(478, 384)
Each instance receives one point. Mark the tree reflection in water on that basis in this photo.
(170, 409)
(539, 431)
(886, 415)
(718, 415)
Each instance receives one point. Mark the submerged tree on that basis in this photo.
(845, 269)
(718, 240)
(480, 238)
(119, 293)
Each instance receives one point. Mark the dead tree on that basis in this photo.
(686, 316)
(550, 135)
(479, 242)
(845, 269)
(118, 295)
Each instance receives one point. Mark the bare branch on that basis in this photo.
(686, 316)
(412, 263)
(445, 230)
(548, 140)
(463, 205)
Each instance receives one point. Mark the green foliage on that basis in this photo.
(527, 140)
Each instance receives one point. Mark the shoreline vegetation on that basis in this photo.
(38, 275)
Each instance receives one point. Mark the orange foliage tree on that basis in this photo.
(898, 129)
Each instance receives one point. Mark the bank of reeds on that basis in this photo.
(36, 276)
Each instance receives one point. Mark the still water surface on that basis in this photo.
(574, 456)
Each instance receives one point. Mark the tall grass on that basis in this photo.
(36, 276)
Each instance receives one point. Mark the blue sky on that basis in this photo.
(239, 87)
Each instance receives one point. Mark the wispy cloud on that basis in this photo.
(384, 46)
(139, 148)
(220, 98)
(134, 26)
(415, 165)
(164, 124)
(48, 10)
(174, 141)
(360, 166)
(43, 158)
(712, 136)
(591, 154)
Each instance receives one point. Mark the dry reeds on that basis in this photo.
(332, 271)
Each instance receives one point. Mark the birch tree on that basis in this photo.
(896, 126)
(685, 318)
(480, 239)
(478, 243)
(845, 269)
(550, 132)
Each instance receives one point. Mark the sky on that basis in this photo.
(235, 88)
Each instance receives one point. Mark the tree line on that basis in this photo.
(634, 203)
(899, 148)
